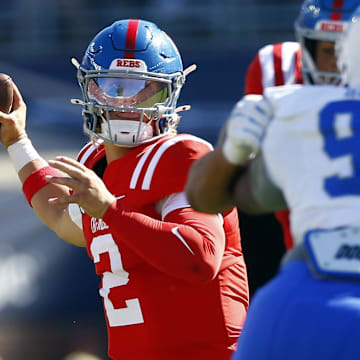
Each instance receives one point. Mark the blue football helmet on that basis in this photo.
(321, 20)
(130, 76)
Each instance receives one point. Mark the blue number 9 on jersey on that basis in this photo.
(336, 146)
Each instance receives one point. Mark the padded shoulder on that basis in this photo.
(169, 166)
(91, 153)
(291, 100)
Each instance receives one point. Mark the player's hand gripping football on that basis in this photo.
(245, 129)
(88, 190)
(12, 123)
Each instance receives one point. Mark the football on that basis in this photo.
(6, 93)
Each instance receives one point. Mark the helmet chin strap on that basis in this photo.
(126, 131)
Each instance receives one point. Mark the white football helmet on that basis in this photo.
(348, 53)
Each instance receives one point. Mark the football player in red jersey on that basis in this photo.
(173, 280)
(311, 60)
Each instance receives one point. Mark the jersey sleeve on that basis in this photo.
(253, 79)
(187, 245)
(284, 220)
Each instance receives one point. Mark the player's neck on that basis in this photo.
(114, 152)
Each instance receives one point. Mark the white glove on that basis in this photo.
(245, 128)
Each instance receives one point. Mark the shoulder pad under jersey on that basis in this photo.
(90, 154)
(166, 167)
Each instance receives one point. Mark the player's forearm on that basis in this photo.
(32, 170)
(39, 200)
(209, 187)
(190, 252)
(55, 218)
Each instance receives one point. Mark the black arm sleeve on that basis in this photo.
(264, 191)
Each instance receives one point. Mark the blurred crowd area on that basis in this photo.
(45, 28)
(49, 304)
(39, 38)
(55, 339)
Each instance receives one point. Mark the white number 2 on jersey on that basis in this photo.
(131, 314)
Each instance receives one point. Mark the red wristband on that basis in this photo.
(37, 180)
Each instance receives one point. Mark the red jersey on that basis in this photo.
(174, 282)
(276, 65)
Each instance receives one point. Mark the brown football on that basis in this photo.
(6, 93)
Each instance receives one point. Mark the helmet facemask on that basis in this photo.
(311, 74)
(128, 108)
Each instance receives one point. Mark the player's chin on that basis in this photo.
(121, 115)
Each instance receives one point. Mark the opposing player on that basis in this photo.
(310, 163)
(174, 282)
(311, 60)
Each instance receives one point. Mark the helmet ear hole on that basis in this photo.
(310, 45)
(162, 125)
(92, 122)
(87, 117)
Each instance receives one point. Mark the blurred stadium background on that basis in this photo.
(49, 306)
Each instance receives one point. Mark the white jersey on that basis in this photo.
(312, 154)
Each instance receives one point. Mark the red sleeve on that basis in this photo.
(298, 65)
(283, 218)
(253, 80)
(187, 244)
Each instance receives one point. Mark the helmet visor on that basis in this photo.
(125, 92)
